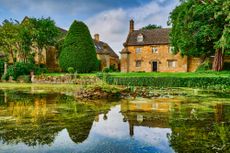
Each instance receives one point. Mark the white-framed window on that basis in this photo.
(172, 63)
(171, 49)
(138, 50)
(140, 38)
(138, 63)
(154, 50)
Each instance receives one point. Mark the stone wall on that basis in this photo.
(193, 64)
(66, 79)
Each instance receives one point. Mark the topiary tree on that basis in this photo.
(78, 50)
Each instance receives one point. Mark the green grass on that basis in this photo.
(39, 87)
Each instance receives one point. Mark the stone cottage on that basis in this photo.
(105, 54)
(150, 51)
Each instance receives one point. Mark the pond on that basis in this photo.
(198, 121)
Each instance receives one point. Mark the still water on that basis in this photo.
(56, 123)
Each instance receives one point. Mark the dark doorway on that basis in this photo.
(154, 66)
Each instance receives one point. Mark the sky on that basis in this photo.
(109, 18)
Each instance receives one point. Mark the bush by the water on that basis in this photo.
(71, 70)
(21, 68)
(78, 50)
(203, 82)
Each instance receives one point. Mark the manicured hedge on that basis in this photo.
(78, 50)
(170, 81)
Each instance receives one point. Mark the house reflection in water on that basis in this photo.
(158, 113)
(149, 113)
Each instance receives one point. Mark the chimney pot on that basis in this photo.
(131, 25)
(97, 37)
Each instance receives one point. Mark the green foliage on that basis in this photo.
(1, 67)
(150, 27)
(201, 82)
(112, 68)
(227, 66)
(45, 34)
(196, 27)
(9, 38)
(106, 70)
(204, 67)
(18, 69)
(71, 70)
(78, 50)
(21, 68)
(24, 79)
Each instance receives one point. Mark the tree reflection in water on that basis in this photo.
(36, 119)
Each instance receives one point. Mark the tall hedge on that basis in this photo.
(78, 50)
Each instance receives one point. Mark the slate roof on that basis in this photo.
(151, 37)
(100, 48)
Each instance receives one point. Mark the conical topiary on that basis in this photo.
(78, 50)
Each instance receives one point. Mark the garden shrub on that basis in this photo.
(21, 68)
(202, 82)
(204, 67)
(106, 70)
(24, 79)
(78, 50)
(112, 68)
(71, 70)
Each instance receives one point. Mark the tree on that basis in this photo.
(197, 29)
(78, 50)
(9, 40)
(46, 34)
(150, 27)
(223, 44)
(26, 35)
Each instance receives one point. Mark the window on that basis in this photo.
(138, 50)
(140, 38)
(172, 63)
(171, 49)
(138, 63)
(155, 50)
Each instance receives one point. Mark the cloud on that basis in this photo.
(113, 25)
(109, 18)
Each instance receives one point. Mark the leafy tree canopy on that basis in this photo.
(151, 26)
(201, 29)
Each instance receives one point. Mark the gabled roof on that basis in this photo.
(100, 48)
(151, 37)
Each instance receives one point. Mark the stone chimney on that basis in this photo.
(97, 37)
(131, 25)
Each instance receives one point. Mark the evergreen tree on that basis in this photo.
(78, 50)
